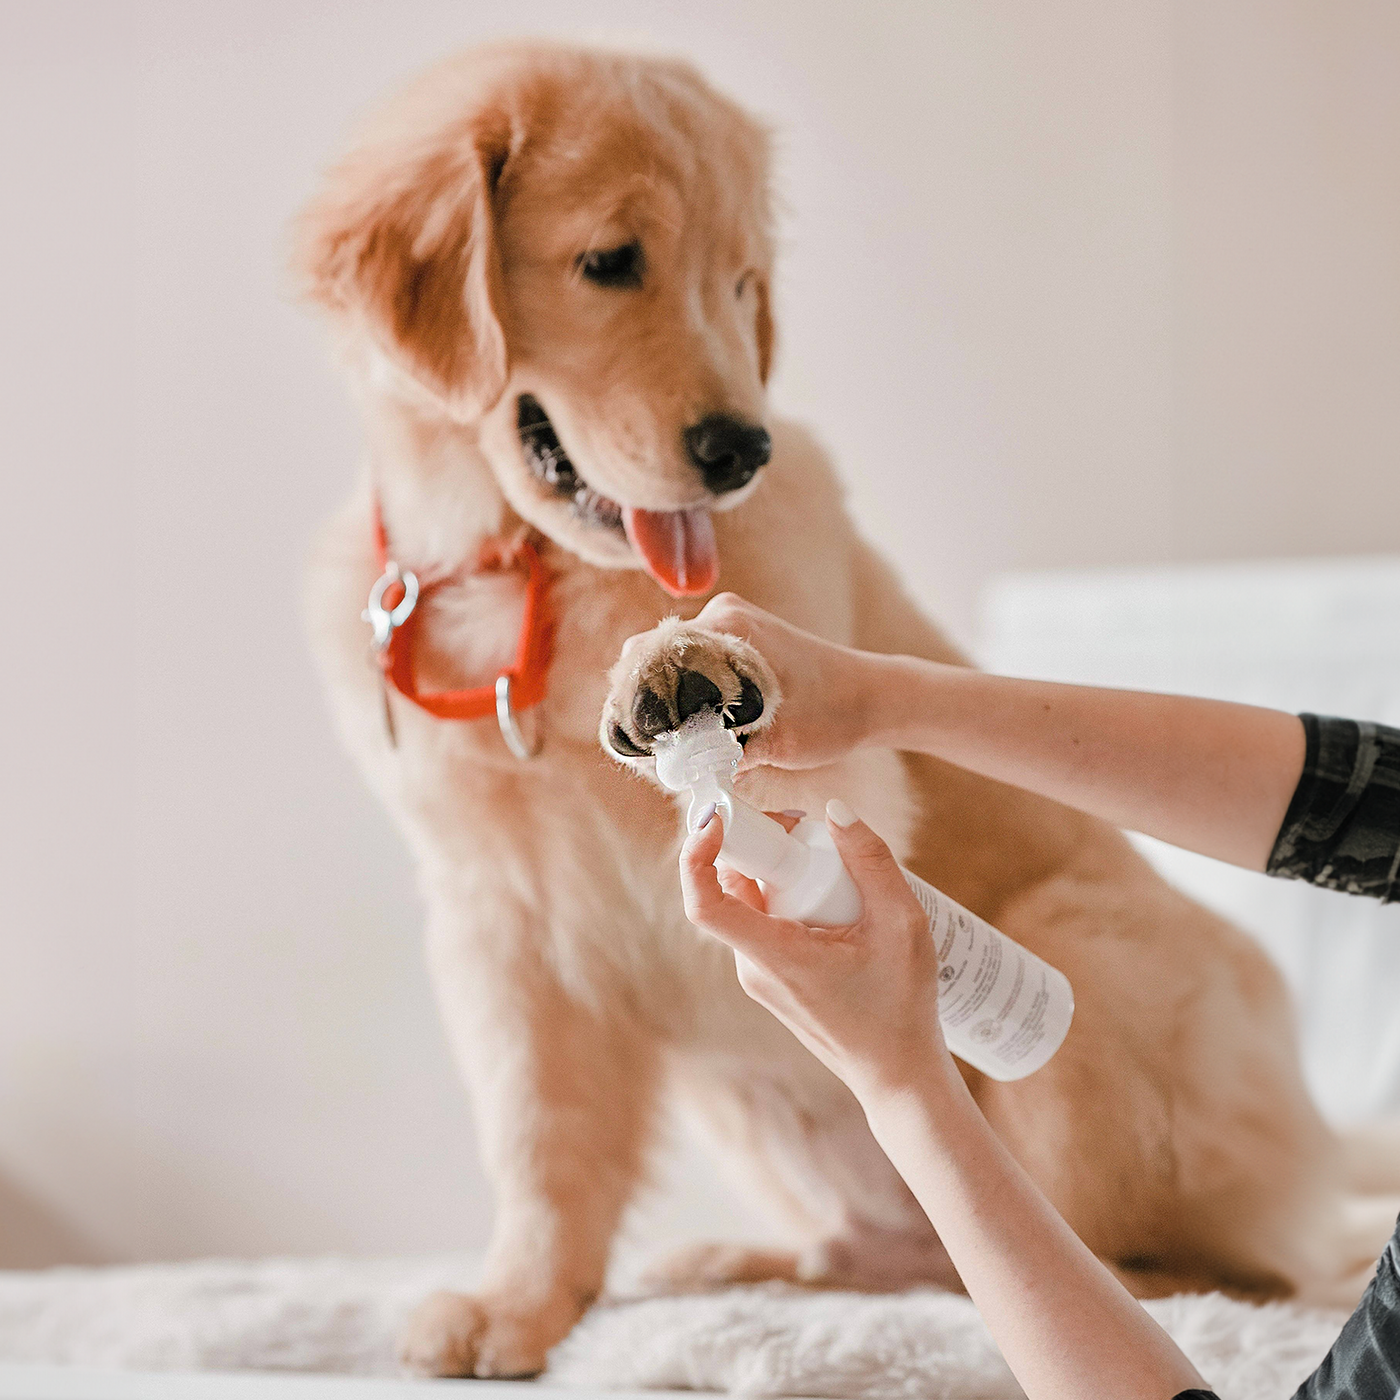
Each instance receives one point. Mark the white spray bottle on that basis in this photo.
(1003, 1010)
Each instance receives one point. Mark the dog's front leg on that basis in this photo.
(563, 1097)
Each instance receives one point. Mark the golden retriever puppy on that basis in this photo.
(548, 271)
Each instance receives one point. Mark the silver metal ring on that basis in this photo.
(511, 732)
(384, 620)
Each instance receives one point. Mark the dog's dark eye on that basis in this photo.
(614, 267)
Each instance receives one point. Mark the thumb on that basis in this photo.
(870, 862)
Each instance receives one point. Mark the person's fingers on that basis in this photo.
(727, 612)
(869, 860)
(708, 907)
(767, 748)
(741, 887)
(700, 886)
(753, 755)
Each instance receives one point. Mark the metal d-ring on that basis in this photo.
(523, 748)
(384, 620)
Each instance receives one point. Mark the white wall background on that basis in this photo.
(1065, 284)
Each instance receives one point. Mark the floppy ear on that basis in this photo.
(404, 243)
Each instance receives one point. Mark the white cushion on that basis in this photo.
(1310, 635)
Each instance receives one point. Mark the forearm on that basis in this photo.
(1207, 775)
(1064, 1323)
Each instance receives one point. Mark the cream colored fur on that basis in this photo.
(1172, 1130)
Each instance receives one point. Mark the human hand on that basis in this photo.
(864, 998)
(826, 689)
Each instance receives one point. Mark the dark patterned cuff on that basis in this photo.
(1342, 828)
(1365, 1359)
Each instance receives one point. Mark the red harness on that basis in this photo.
(392, 612)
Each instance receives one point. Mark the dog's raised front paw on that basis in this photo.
(676, 670)
(454, 1334)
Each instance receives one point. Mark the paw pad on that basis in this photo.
(674, 673)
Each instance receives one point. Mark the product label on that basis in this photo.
(1003, 1010)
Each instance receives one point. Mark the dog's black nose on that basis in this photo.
(727, 450)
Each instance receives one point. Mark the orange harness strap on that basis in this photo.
(392, 612)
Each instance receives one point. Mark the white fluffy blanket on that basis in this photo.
(341, 1315)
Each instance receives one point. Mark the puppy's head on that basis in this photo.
(570, 251)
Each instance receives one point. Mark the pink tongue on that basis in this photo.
(677, 546)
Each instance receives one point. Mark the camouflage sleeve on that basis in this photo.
(1365, 1359)
(1342, 828)
(1364, 1363)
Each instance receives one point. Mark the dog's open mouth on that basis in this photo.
(677, 546)
(545, 455)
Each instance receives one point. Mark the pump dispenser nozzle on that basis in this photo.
(800, 883)
(701, 755)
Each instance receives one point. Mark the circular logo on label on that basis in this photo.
(984, 1032)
